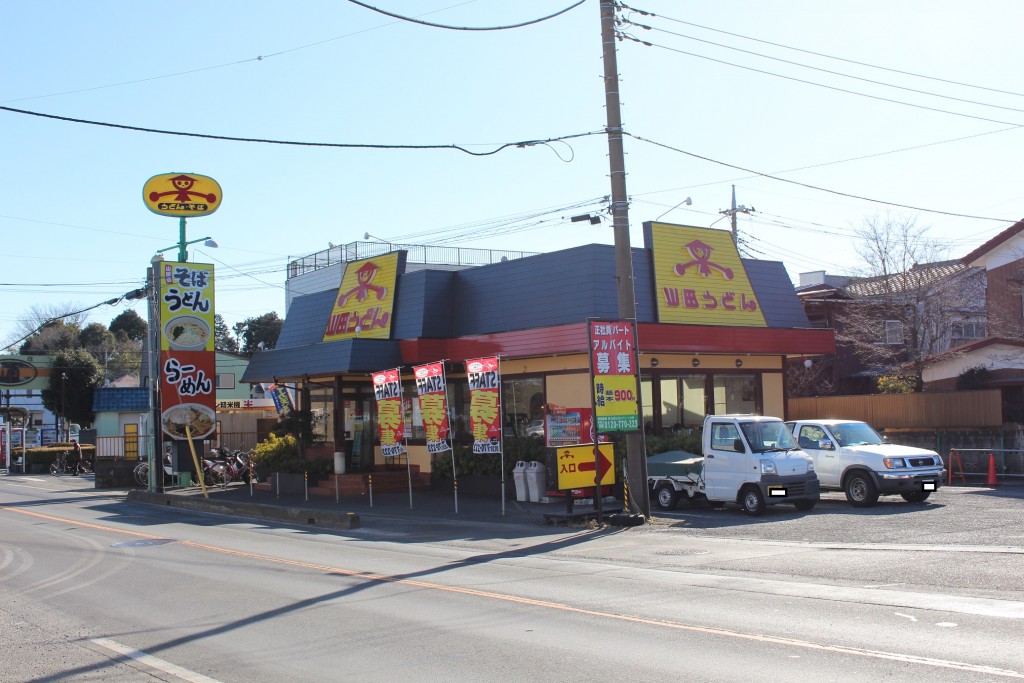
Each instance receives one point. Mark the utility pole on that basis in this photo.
(732, 213)
(63, 420)
(636, 457)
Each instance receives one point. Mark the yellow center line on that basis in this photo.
(646, 621)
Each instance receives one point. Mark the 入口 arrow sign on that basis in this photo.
(576, 465)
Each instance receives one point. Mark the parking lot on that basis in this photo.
(954, 516)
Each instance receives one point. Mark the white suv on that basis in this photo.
(850, 456)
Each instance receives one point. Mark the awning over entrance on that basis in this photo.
(325, 358)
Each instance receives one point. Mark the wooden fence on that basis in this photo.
(946, 410)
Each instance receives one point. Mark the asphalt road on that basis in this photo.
(95, 588)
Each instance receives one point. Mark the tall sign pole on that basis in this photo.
(636, 457)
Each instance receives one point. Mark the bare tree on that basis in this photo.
(39, 326)
(904, 307)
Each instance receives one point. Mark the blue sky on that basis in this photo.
(705, 100)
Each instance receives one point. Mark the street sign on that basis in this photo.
(182, 194)
(577, 466)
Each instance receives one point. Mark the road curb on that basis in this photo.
(282, 513)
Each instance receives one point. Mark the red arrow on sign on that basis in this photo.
(602, 461)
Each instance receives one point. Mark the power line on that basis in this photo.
(819, 85)
(343, 145)
(815, 187)
(826, 56)
(466, 28)
(827, 71)
(258, 58)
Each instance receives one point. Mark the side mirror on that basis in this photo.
(737, 445)
(825, 445)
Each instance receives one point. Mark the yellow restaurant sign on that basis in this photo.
(699, 278)
(366, 299)
(182, 194)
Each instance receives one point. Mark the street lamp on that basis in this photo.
(367, 236)
(182, 245)
(183, 242)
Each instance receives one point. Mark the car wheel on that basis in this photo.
(916, 496)
(861, 490)
(666, 497)
(805, 505)
(753, 501)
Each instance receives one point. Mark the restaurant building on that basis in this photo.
(713, 332)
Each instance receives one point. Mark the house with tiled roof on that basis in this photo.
(998, 348)
(892, 323)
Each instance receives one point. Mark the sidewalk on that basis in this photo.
(351, 512)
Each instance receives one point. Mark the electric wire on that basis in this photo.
(819, 85)
(467, 28)
(258, 58)
(816, 187)
(827, 71)
(821, 54)
(296, 143)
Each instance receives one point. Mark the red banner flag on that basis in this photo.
(433, 395)
(484, 375)
(387, 388)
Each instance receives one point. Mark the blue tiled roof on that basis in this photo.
(120, 399)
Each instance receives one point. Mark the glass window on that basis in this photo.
(523, 400)
(226, 380)
(735, 394)
(893, 332)
(321, 400)
(647, 404)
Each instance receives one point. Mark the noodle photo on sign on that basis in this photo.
(198, 419)
(187, 332)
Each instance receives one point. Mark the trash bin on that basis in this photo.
(536, 481)
(519, 477)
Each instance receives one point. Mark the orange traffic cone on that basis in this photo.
(991, 480)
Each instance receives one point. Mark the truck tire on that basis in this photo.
(860, 489)
(752, 501)
(916, 496)
(805, 505)
(666, 497)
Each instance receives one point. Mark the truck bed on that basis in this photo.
(679, 464)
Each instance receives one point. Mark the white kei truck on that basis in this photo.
(751, 460)
(851, 457)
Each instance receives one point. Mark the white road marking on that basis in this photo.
(946, 624)
(905, 616)
(154, 662)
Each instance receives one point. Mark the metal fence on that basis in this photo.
(138, 447)
(974, 463)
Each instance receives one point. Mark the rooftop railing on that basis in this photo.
(417, 253)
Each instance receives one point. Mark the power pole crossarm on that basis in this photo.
(732, 214)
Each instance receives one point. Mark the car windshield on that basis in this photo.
(856, 434)
(767, 436)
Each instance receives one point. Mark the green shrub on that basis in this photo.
(977, 377)
(47, 455)
(277, 454)
(662, 443)
(488, 464)
(281, 454)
